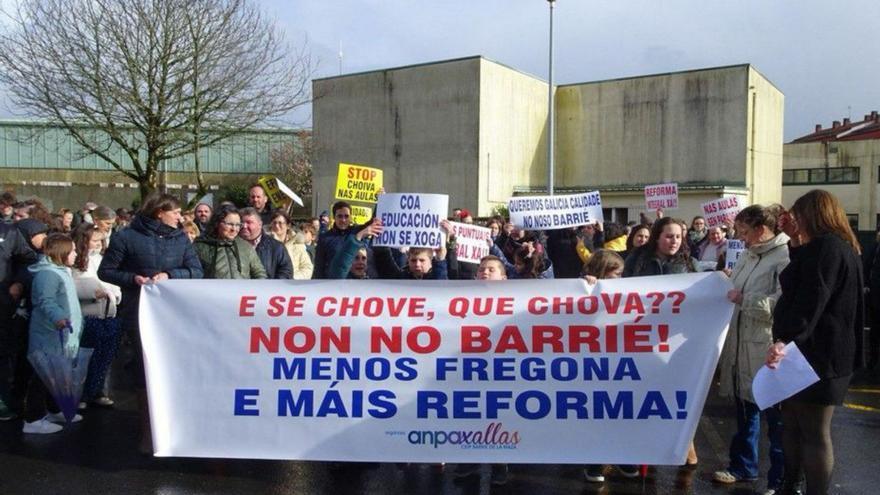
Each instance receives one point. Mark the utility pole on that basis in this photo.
(551, 171)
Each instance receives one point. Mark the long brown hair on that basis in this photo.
(82, 236)
(819, 212)
(657, 229)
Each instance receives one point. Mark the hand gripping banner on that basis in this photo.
(522, 371)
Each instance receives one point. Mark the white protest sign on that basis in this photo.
(661, 197)
(470, 241)
(411, 219)
(555, 212)
(525, 371)
(289, 193)
(720, 211)
(735, 249)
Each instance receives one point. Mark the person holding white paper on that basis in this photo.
(821, 310)
(756, 289)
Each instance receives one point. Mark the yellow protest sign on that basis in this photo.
(358, 183)
(278, 192)
(361, 214)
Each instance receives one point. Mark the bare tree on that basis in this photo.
(292, 162)
(154, 79)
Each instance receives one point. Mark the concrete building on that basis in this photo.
(843, 159)
(476, 130)
(44, 161)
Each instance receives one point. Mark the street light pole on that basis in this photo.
(551, 172)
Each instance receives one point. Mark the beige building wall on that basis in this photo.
(687, 127)
(513, 133)
(419, 124)
(766, 106)
(476, 130)
(862, 199)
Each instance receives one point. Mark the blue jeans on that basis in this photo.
(744, 446)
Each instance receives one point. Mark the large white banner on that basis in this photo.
(555, 212)
(523, 371)
(411, 220)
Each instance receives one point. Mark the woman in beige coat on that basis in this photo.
(295, 243)
(756, 289)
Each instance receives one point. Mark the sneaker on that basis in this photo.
(41, 427)
(465, 470)
(59, 418)
(629, 470)
(500, 474)
(595, 473)
(103, 402)
(728, 478)
(6, 414)
(770, 491)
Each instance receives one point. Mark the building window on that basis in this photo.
(831, 175)
(853, 221)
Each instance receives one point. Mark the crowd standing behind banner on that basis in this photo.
(819, 294)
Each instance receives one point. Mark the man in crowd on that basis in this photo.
(7, 199)
(272, 254)
(15, 256)
(203, 215)
(258, 199)
(331, 242)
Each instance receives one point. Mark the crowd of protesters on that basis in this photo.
(800, 280)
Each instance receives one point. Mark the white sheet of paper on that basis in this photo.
(792, 375)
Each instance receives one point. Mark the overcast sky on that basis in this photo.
(823, 55)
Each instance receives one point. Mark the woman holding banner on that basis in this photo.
(665, 253)
(756, 290)
(821, 311)
(152, 249)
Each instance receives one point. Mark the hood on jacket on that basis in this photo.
(152, 226)
(44, 263)
(778, 240)
(30, 227)
(617, 244)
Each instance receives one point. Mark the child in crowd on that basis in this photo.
(605, 264)
(491, 268)
(98, 300)
(55, 309)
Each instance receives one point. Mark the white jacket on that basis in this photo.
(756, 274)
(87, 283)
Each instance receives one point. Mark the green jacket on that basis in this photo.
(228, 259)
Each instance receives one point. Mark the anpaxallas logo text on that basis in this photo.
(493, 437)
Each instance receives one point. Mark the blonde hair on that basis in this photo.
(602, 262)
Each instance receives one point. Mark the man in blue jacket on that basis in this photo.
(272, 253)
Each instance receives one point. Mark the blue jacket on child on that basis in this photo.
(53, 297)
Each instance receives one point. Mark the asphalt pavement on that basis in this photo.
(99, 456)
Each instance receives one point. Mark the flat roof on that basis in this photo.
(472, 57)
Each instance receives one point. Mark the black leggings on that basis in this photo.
(806, 441)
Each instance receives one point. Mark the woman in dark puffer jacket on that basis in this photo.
(152, 249)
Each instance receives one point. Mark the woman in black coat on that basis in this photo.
(152, 249)
(821, 310)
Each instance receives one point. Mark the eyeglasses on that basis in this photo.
(279, 222)
(232, 225)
